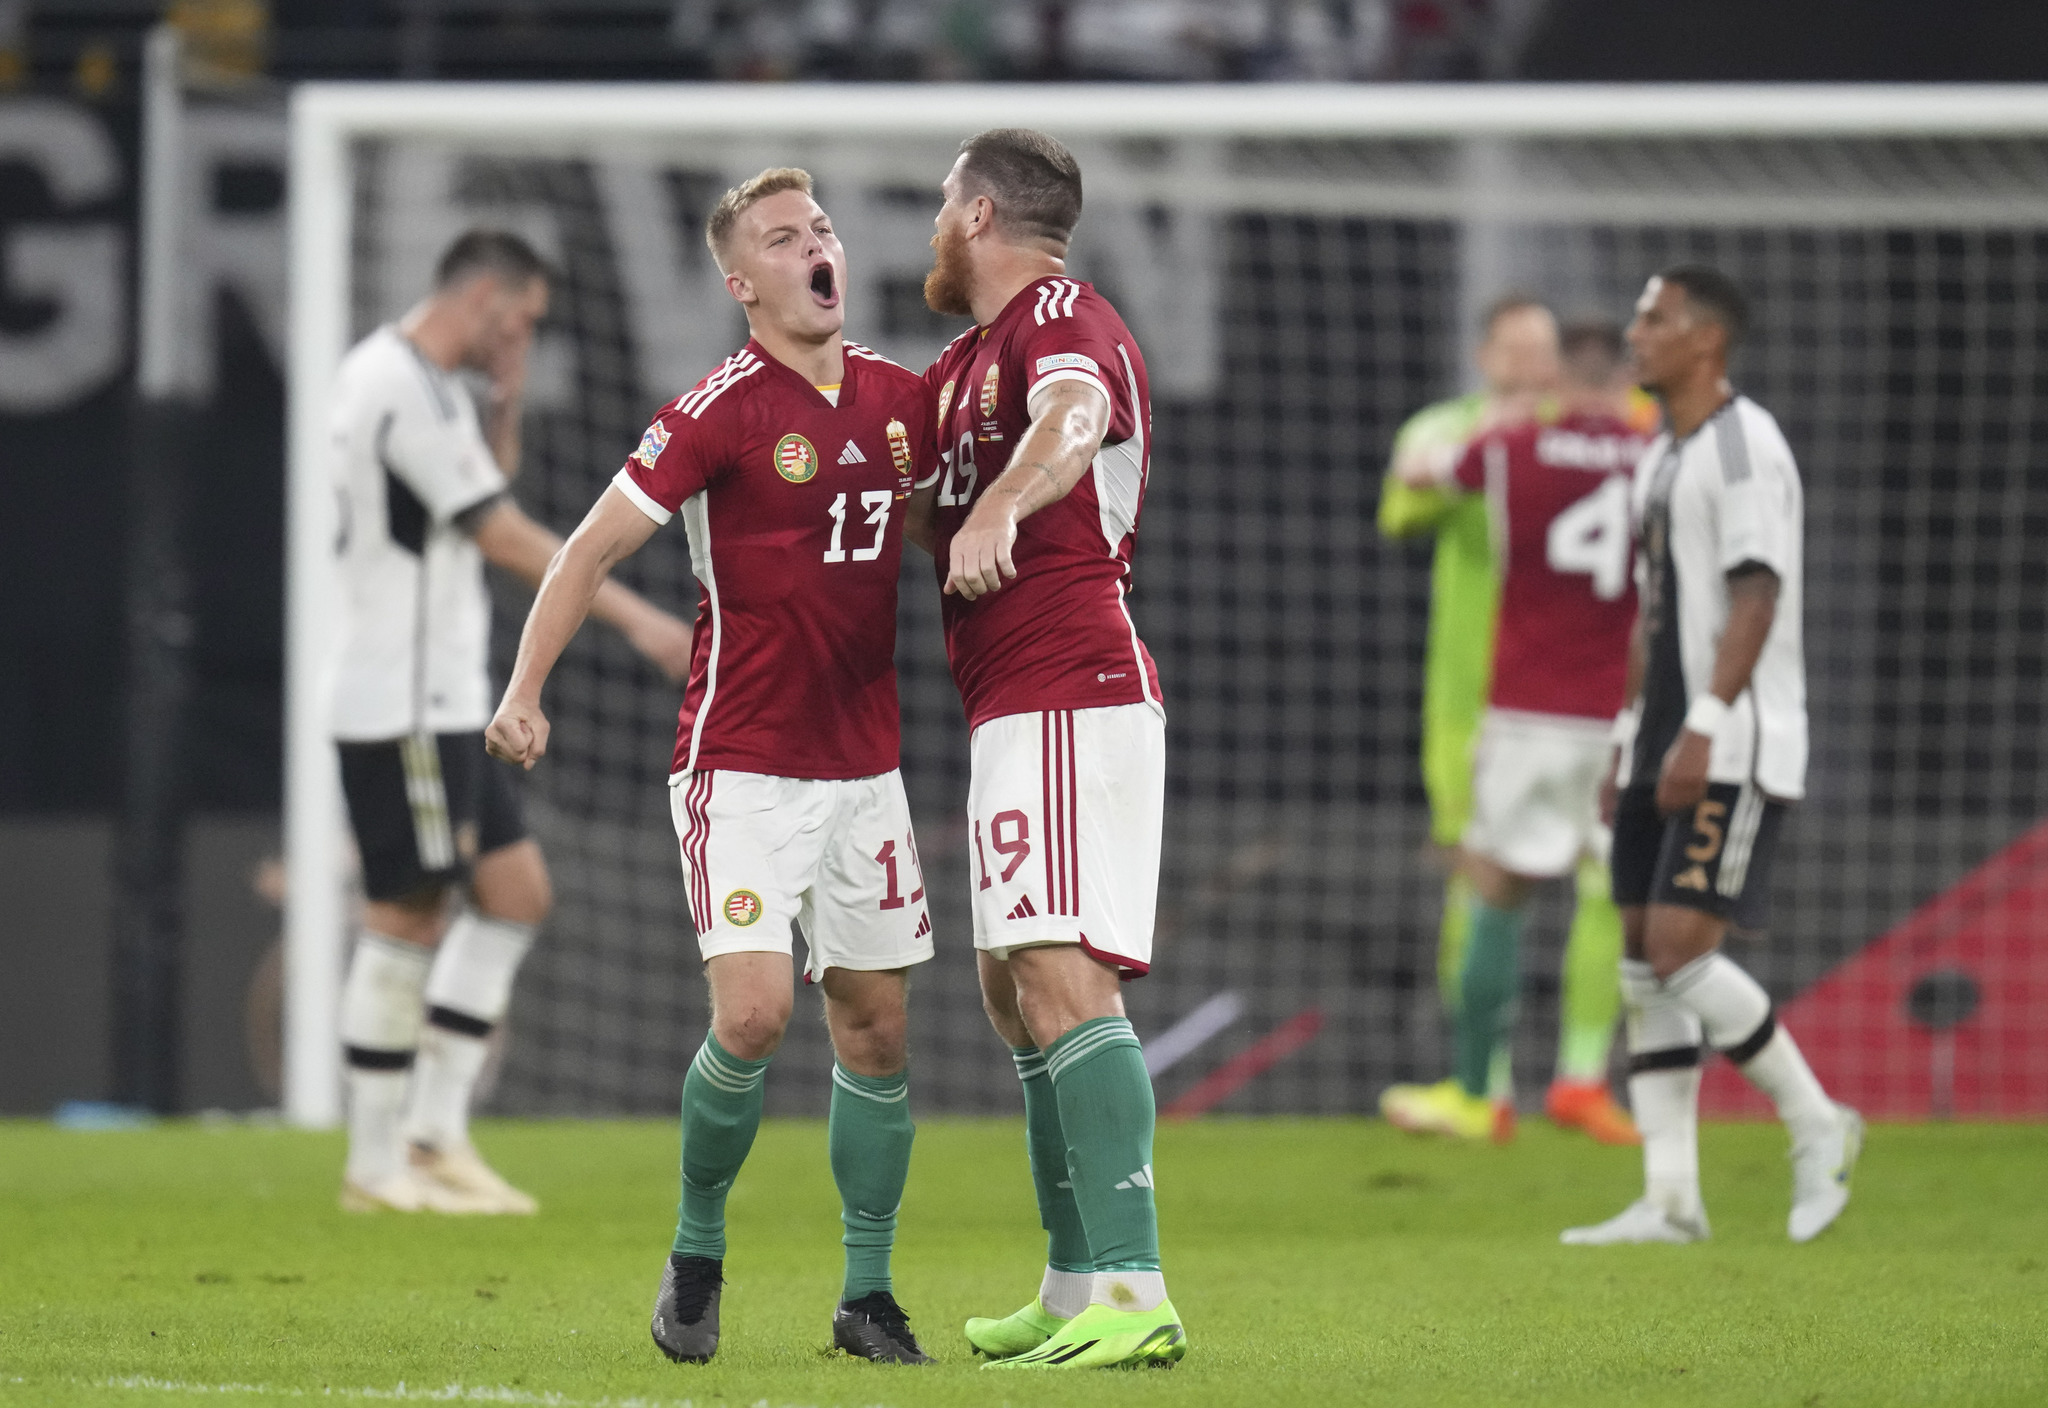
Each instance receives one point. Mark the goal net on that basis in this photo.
(1303, 268)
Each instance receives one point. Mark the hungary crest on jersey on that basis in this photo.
(899, 455)
(795, 460)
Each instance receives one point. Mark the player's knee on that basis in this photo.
(874, 1043)
(513, 884)
(752, 1032)
(1004, 1017)
(417, 918)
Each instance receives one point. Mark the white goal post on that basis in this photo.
(328, 120)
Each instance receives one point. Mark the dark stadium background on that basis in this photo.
(67, 471)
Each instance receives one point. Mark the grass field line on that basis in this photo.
(409, 1393)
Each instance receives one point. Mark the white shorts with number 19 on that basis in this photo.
(1064, 811)
(836, 856)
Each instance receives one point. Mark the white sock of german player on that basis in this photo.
(467, 994)
(1663, 1088)
(1739, 1022)
(380, 1034)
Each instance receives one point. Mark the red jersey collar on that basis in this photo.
(848, 377)
(1024, 295)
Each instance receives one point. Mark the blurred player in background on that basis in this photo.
(1045, 425)
(422, 487)
(1557, 491)
(790, 465)
(1517, 359)
(1716, 750)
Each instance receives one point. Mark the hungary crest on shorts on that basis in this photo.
(742, 907)
(795, 460)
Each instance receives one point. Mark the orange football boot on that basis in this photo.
(1587, 1105)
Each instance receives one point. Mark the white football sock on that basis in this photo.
(1065, 1293)
(1736, 1014)
(467, 994)
(1664, 1097)
(380, 1032)
(1780, 1071)
(1128, 1290)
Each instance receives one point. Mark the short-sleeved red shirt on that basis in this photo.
(1058, 636)
(1558, 495)
(794, 508)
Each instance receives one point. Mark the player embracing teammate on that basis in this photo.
(790, 466)
(1044, 437)
(1557, 493)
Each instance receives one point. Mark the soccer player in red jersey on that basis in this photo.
(790, 465)
(1557, 491)
(1044, 435)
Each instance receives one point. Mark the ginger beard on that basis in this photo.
(948, 286)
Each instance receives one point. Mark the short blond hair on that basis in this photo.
(737, 201)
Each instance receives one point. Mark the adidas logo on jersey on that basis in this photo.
(1141, 1179)
(852, 455)
(1024, 910)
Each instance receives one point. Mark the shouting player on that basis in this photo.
(1557, 489)
(790, 465)
(1517, 360)
(1044, 431)
(422, 487)
(1718, 752)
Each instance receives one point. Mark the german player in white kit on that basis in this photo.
(421, 484)
(790, 466)
(1044, 437)
(1714, 749)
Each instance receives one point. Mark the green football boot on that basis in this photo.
(1102, 1337)
(1013, 1334)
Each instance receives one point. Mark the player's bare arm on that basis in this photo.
(1065, 433)
(508, 394)
(918, 515)
(1752, 606)
(511, 540)
(574, 579)
(1632, 692)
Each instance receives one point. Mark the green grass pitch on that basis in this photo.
(1328, 1261)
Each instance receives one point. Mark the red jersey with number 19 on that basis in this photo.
(1558, 493)
(793, 507)
(1059, 635)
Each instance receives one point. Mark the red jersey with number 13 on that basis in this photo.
(794, 507)
(1059, 635)
(1558, 495)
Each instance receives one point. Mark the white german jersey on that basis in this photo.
(1726, 495)
(409, 462)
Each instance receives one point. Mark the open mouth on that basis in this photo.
(823, 286)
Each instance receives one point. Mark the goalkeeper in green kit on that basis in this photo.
(1518, 360)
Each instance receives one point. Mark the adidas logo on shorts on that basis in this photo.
(1024, 910)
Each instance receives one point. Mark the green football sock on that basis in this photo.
(1105, 1098)
(721, 1115)
(1591, 1001)
(869, 1134)
(1450, 939)
(1066, 1242)
(1488, 984)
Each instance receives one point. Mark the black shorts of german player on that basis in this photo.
(1715, 857)
(424, 808)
